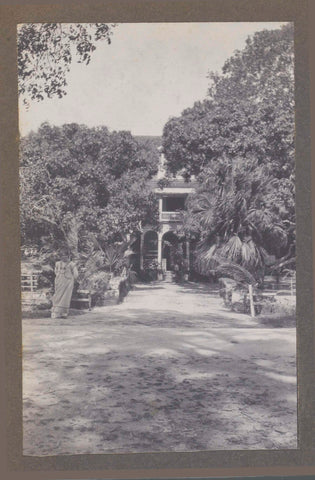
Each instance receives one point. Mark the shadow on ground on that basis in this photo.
(159, 372)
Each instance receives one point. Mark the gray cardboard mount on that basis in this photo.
(152, 465)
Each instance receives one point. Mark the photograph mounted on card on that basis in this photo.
(158, 237)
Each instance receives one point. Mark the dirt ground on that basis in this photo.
(170, 369)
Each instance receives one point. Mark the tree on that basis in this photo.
(236, 223)
(249, 112)
(46, 51)
(240, 144)
(85, 179)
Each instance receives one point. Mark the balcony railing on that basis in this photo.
(174, 216)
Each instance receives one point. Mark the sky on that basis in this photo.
(148, 74)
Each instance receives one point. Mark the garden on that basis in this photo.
(201, 356)
(88, 190)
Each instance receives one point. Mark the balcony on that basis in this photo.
(170, 216)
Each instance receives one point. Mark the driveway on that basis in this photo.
(169, 369)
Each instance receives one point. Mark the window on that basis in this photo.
(173, 204)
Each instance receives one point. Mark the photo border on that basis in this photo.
(168, 464)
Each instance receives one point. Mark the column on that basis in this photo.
(160, 236)
(141, 250)
(160, 208)
(188, 253)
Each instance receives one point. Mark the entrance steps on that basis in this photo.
(168, 276)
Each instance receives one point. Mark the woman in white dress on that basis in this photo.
(66, 273)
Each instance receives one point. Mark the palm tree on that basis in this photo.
(236, 225)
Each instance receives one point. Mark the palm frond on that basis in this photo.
(236, 272)
(278, 266)
(232, 250)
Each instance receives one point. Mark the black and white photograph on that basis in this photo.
(158, 237)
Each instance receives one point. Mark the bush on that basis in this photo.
(281, 306)
(132, 277)
(124, 288)
(97, 283)
(46, 277)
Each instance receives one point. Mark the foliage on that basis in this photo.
(46, 51)
(238, 273)
(150, 270)
(149, 264)
(97, 283)
(279, 308)
(249, 112)
(84, 190)
(109, 258)
(240, 144)
(176, 253)
(238, 222)
(131, 204)
(84, 178)
(151, 144)
(100, 262)
(238, 226)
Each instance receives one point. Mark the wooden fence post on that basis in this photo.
(251, 300)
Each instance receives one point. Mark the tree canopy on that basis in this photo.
(46, 51)
(249, 111)
(240, 143)
(88, 175)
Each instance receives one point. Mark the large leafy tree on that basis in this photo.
(46, 51)
(249, 111)
(240, 144)
(84, 179)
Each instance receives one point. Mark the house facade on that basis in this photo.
(164, 244)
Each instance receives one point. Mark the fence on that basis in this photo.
(285, 284)
(29, 281)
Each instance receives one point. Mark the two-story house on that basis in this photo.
(156, 243)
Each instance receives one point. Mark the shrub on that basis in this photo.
(97, 283)
(132, 277)
(280, 306)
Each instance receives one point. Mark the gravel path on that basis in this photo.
(170, 369)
